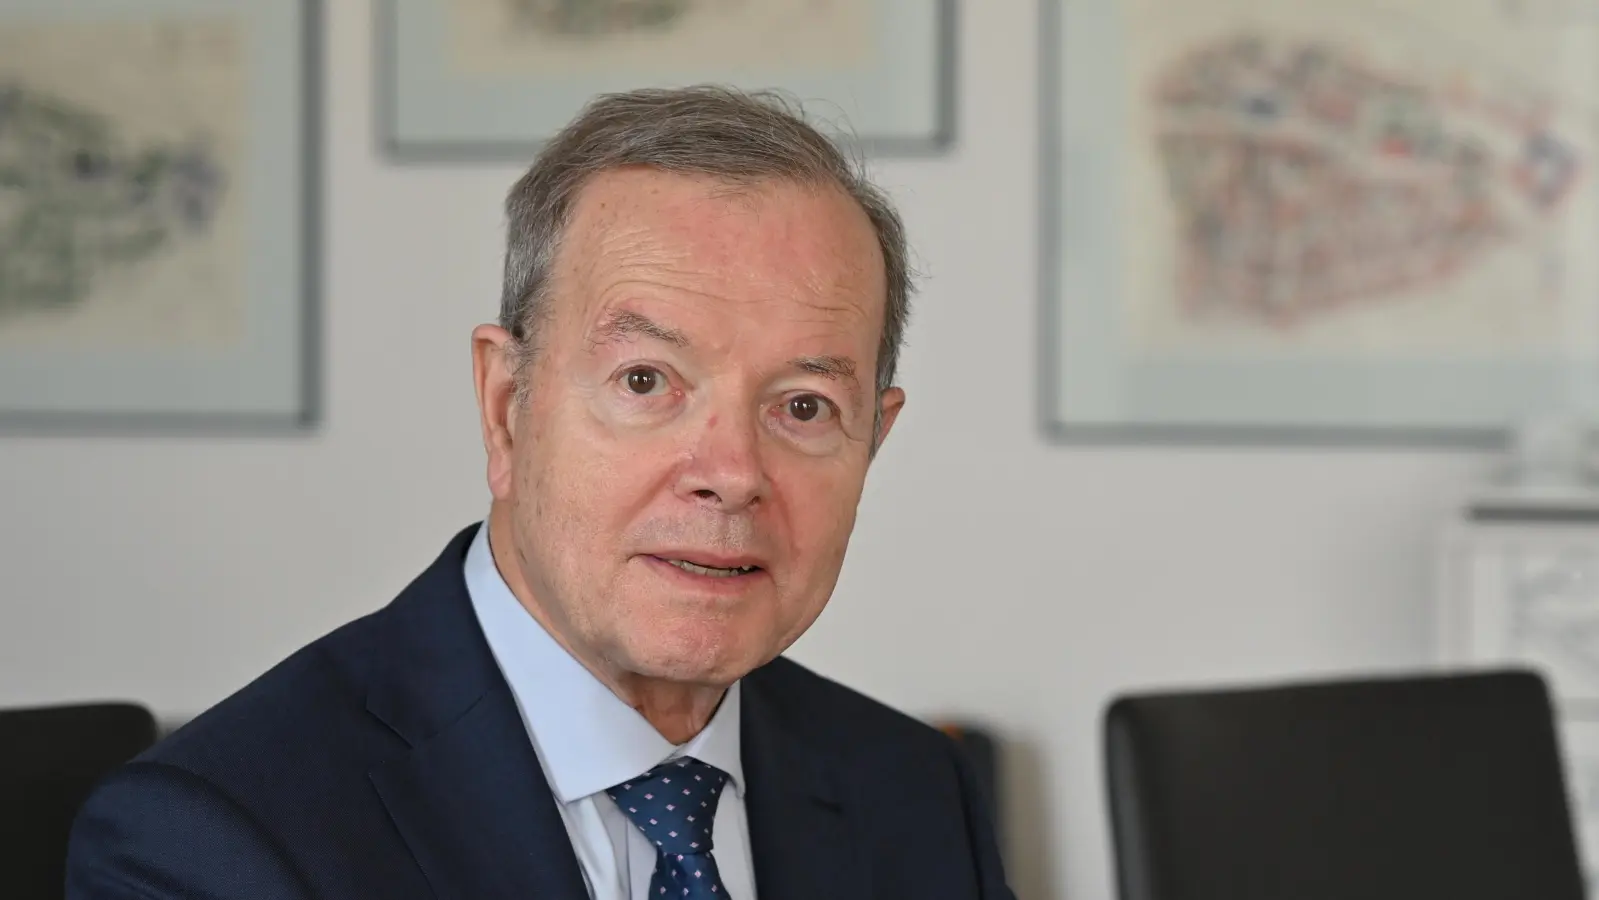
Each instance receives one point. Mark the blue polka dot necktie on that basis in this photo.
(674, 804)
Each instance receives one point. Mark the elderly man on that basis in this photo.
(584, 695)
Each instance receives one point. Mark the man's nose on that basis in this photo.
(725, 470)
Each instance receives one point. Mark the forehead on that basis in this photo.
(769, 241)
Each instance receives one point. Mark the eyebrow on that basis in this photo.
(837, 368)
(622, 324)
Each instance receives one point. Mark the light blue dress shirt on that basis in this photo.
(588, 740)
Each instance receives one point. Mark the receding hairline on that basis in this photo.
(718, 185)
(719, 189)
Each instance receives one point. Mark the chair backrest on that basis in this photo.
(50, 759)
(1375, 789)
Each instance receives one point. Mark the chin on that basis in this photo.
(703, 656)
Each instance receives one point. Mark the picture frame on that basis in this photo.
(1173, 312)
(493, 80)
(159, 269)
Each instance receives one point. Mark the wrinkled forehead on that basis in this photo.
(768, 240)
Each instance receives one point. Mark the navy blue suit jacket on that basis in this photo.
(388, 759)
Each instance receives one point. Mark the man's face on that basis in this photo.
(682, 482)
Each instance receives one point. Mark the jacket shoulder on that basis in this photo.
(911, 777)
(293, 713)
(832, 714)
(309, 710)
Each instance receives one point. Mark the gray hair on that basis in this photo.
(735, 136)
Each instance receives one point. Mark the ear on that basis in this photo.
(891, 402)
(494, 378)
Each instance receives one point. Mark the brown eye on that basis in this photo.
(805, 407)
(643, 381)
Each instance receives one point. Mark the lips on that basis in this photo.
(712, 571)
(708, 566)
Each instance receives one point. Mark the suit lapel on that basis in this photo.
(801, 838)
(468, 795)
(477, 813)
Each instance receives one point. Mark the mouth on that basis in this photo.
(708, 571)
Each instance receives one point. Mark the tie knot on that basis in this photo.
(674, 804)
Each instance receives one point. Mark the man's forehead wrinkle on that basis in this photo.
(660, 288)
(614, 261)
(825, 305)
(825, 317)
(633, 246)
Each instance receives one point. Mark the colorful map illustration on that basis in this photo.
(1369, 176)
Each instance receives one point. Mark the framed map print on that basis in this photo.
(157, 213)
(1367, 221)
(494, 79)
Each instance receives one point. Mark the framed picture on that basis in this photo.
(1367, 221)
(158, 227)
(495, 79)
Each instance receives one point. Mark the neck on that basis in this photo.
(677, 710)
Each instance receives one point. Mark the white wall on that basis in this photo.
(992, 575)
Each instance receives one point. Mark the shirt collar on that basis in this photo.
(587, 737)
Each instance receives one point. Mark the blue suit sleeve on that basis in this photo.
(154, 832)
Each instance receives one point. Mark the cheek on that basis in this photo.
(821, 518)
(587, 492)
(574, 494)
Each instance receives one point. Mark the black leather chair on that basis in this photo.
(50, 759)
(1375, 789)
